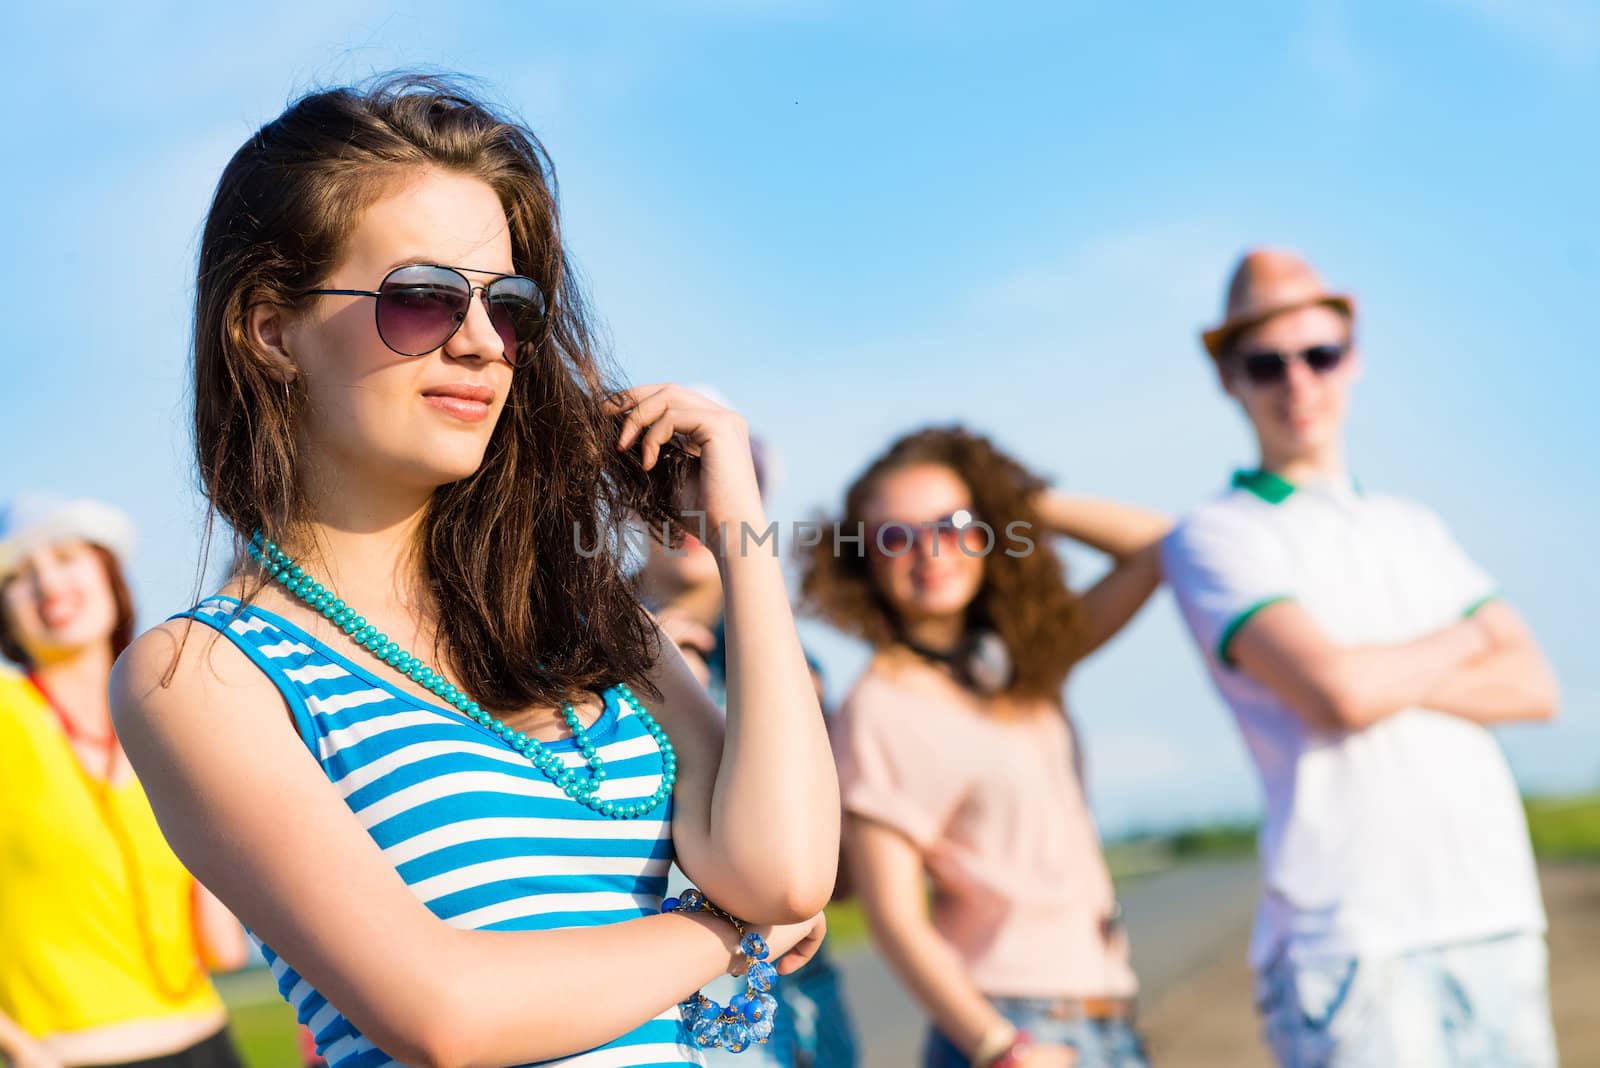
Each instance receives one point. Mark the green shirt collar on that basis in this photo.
(1272, 487)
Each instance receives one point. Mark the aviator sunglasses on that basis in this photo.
(420, 306)
(896, 537)
(1266, 367)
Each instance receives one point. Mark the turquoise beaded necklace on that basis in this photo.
(280, 566)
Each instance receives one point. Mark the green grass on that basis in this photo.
(262, 1023)
(1144, 853)
(1562, 828)
(265, 1033)
(1222, 840)
(847, 924)
(1565, 828)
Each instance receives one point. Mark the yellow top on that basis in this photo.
(97, 922)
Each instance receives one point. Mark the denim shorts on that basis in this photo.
(1100, 1043)
(814, 999)
(1481, 1004)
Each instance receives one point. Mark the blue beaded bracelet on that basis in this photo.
(745, 1020)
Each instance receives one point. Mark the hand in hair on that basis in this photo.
(668, 416)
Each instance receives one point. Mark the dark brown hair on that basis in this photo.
(524, 616)
(1024, 598)
(121, 631)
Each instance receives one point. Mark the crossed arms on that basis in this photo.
(1487, 668)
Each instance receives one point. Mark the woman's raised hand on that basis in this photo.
(726, 490)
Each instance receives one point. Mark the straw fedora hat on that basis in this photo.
(1266, 282)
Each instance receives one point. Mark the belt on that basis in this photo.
(1093, 1008)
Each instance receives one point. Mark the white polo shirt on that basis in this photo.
(1409, 833)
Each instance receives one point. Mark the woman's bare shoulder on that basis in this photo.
(181, 665)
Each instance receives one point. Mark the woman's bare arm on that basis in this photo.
(222, 943)
(1131, 536)
(248, 810)
(730, 805)
(890, 883)
(891, 887)
(769, 831)
(1116, 529)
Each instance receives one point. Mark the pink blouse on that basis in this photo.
(1021, 890)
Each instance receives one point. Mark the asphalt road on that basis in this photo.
(1179, 920)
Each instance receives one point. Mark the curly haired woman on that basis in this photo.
(957, 760)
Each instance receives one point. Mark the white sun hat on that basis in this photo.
(32, 520)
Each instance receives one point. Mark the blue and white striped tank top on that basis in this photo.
(477, 833)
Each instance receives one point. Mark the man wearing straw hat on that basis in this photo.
(1364, 655)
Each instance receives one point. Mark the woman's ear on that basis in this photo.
(265, 325)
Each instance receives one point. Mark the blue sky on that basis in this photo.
(856, 222)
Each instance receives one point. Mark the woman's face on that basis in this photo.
(60, 602)
(415, 422)
(934, 577)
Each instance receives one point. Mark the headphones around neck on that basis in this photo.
(981, 662)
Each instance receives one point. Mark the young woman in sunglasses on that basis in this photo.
(425, 741)
(957, 760)
(105, 939)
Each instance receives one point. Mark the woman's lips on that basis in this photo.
(470, 411)
(465, 402)
(58, 613)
